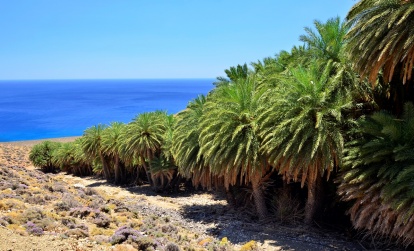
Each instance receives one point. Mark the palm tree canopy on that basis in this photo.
(382, 38)
(328, 40)
(229, 139)
(91, 140)
(301, 128)
(144, 135)
(185, 137)
(111, 138)
(233, 74)
(380, 162)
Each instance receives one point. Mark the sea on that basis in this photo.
(41, 109)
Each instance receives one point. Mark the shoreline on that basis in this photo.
(37, 141)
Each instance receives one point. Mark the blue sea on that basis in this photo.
(39, 109)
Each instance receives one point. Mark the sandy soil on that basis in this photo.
(201, 213)
(31, 143)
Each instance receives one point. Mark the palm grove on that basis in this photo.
(334, 113)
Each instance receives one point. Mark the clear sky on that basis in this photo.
(82, 39)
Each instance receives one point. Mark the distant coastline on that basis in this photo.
(33, 142)
(37, 109)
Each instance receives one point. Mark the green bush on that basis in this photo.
(41, 155)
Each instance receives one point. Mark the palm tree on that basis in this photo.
(381, 38)
(70, 158)
(186, 147)
(162, 167)
(143, 138)
(381, 46)
(378, 175)
(92, 146)
(82, 164)
(112, 147)
(229, 140)
(301, 130)
(162, 171)
(169, 121)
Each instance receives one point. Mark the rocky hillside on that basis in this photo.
(41, 211)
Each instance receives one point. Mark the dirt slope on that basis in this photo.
(98, 211)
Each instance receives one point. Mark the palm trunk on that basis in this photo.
(231, 200)
(117, 170)
(313, 200)
(147, 172)
(107, 175)
(258, 197)
(122, 171)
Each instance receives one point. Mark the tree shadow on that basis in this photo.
(147, 190)
(239, 227)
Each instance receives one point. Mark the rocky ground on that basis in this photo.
(41, 211)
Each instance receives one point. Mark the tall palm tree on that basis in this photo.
(378, 175)
(82, 164)
(166, 148)
(143, 138)
(162, 167)
(301, 130)
(229, 140)
(381, 38)
(92, 146)
(112, 147)
(186, 147)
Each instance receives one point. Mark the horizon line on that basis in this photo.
(43, 79)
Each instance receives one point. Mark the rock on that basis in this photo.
(77, 185)
(124, 247)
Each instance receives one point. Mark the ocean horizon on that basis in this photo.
(40, 109)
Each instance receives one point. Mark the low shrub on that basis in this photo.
(81, 212)
(105, 209)
(77, 233)
(11, 203)
(250, 246)
(37, 200)
(123, 233)
(33, 215)
(100, 239)
(143, 243)
(5, 220)
(286, 208)
(68, 202)
(91, 191)
(69, 222)
(169, 229)
(172, 247)
(101, 220)
(33, 229)
(41, 155)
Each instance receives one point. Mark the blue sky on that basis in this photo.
(78, 39)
